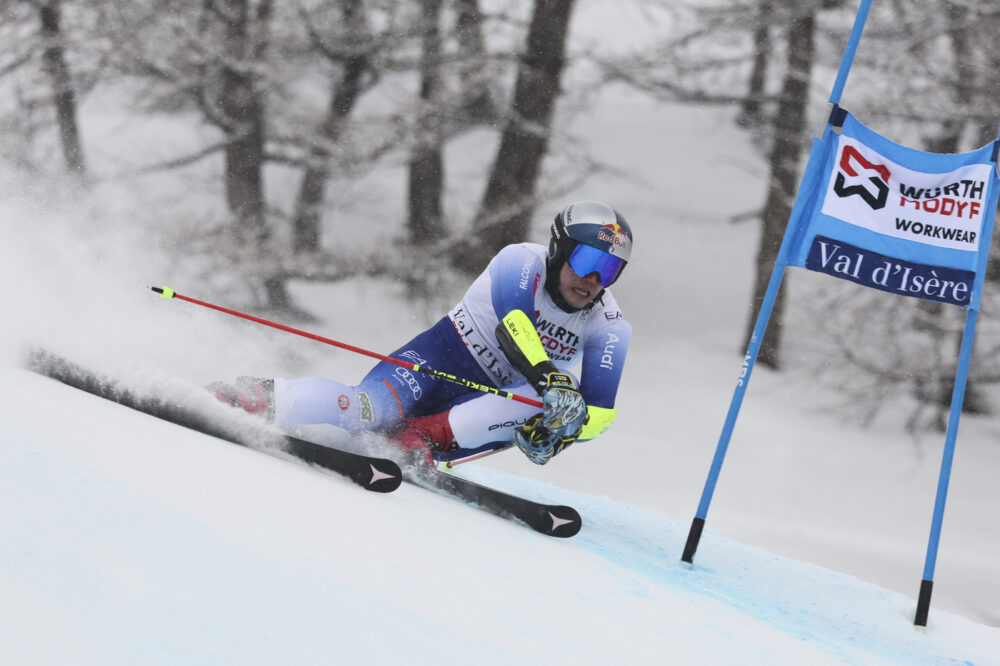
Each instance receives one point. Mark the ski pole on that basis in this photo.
(449, 464)
(167, 292)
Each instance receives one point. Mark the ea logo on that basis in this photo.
(874, 195)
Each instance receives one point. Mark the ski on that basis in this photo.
(371, 473)
(549, 519)
(379, 475)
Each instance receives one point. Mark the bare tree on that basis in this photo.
(213, 56)
(783, 163)
(354, 59)
(751, 111)
(426, 168)
(478, 105)
(510, 193)
(64, 94)
(36, 66)
(241, 102)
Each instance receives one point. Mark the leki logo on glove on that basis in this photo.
(879, 180)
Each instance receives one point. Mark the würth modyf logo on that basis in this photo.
(850, 161)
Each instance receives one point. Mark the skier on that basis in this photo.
(506, 332)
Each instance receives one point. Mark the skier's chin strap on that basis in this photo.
(520, 342)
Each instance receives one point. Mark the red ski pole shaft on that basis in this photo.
(167, 292)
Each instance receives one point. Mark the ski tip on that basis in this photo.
(561, 521)
(386, 479)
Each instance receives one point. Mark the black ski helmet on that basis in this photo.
(606, 239)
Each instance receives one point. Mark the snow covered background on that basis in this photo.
(128, 540)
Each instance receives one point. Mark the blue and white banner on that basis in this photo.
(894, 218)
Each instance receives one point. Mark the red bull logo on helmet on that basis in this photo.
(613, 233)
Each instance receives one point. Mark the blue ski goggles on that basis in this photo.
(585, 260)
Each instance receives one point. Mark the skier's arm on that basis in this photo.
(520, 342)
(602, 374)
(564, 412)
(603, 361)
(514, 277)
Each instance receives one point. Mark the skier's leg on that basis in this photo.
(313, 400)
(389, 393)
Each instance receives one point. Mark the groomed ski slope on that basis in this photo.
(127, 540)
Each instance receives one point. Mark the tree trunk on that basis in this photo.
(750, 113)
(789, 125)
(306, 230)
(506, 208)
(426, 177)
(54, 59)
(478, 105)
(242, 105)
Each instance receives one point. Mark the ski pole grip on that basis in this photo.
(165, 292)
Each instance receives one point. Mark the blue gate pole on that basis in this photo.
(749, 360)
(803, 200)
(852, 46)
(957, 398)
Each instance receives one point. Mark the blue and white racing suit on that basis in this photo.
(464, 344)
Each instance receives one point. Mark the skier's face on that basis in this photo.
(578, 291)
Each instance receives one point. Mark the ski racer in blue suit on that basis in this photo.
(534, 315)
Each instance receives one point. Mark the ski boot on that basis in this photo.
(251, 394)
(424, 436)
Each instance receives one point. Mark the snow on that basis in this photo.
(130, 540)
(124, 539)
